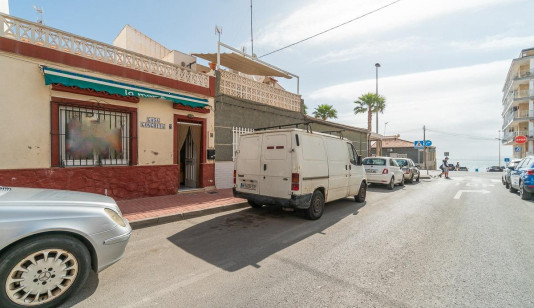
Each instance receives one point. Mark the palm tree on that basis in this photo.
(325, 111)
(370, 102)
(305, 109)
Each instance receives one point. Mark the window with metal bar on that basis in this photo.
(93, 137)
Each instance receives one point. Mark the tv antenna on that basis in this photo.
(39, 11)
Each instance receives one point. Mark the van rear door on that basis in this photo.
(276, 165)
(248, 163)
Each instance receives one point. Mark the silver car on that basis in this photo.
(410, 170)
(51, 239)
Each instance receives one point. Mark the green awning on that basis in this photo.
(69, 79)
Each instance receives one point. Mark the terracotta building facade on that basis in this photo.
(83, 115)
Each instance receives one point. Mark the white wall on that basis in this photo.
(4, 6)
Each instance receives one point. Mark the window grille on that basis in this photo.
(93, 137)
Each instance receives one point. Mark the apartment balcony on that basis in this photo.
(246, 88)
(38, 34)
(525, 74)
(516, 96)
(517, 116)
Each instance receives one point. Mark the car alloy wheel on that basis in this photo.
(391, 184)
(41, 277)
(523, 193)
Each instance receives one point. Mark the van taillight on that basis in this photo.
(530, 172)
(386, 171)
(234, 176)
(295, 181)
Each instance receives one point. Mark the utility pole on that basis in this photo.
(377, 65)
(424, 147)
(251, 36)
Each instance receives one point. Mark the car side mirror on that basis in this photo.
(511, 168)
(359, 160)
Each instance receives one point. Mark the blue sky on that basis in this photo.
(443, 62)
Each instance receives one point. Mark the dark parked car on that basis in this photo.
(506, 173)
(463, 169)
(494, 169)
(522, 178)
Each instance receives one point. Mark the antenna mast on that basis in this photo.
(40, 12)
(251, 35)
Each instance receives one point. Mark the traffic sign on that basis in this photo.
(520, 139)
(420, 144)
(506, 159)
(517, 149)
(446, 154)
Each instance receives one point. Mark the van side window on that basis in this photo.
(352, 158)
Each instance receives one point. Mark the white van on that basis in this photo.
(297, 169)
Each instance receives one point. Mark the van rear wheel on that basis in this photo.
(362, 193)
(254, 204)
(316, 209)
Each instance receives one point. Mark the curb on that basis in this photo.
(159, 220)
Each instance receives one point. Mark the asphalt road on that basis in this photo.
(422, 245)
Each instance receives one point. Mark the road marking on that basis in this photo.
(496, 181)
(460, 192)
(477, 184)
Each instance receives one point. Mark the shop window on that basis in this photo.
(93, 137)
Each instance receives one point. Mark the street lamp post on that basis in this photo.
(377, 65)
(499, 140)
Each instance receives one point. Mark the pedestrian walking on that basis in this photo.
(445, 168)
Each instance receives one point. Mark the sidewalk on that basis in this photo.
(151, 211)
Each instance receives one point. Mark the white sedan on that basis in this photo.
(383, 170)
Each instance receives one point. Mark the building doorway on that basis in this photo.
(189, 140)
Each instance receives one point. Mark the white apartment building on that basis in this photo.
(518, 104)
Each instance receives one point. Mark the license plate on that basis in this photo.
(370, 170)
(248, 186)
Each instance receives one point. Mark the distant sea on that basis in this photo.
(472, 165)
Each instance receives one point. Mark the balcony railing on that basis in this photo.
(246, 88)
(509, 136)
(38, 34)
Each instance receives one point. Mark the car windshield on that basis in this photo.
(374, 161)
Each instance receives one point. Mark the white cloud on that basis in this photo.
(412, 43)
(370, 47)
(320, 15)
(493, 43)
(458, 100)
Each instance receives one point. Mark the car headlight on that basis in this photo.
(115, 217)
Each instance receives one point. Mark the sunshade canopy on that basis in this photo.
(243, 64)
(69, 79)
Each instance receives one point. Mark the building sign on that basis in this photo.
(152, 122)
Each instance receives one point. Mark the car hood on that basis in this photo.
(37, 196)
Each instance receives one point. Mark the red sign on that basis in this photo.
(520, 139)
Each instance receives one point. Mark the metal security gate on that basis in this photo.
(190, 161)
(236, 132)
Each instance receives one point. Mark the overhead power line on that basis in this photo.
(462, 135)
(330, 29)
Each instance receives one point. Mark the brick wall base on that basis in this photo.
(125, 182)
(207, 175)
